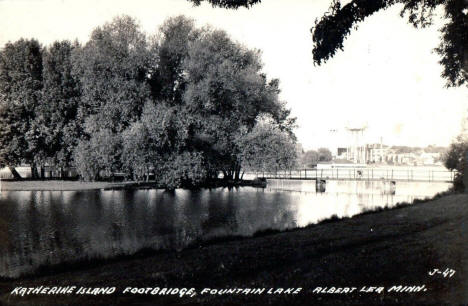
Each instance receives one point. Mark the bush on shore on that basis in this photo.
(455, 159)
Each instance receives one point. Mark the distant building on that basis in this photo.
(430, 158)
(383, 154)
(377, 153)
(341, 153)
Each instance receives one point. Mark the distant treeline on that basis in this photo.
(185, 103)
(310, 158)
(428, 149)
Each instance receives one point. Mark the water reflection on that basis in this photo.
(50, 227)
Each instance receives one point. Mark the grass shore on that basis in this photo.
(384, 249)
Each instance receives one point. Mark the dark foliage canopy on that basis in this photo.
(20, 92)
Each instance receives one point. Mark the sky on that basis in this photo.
(386, 79)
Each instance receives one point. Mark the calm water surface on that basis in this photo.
(40, 228)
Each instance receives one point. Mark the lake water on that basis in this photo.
(41, 228)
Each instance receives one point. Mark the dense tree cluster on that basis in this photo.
(186, 104)
(21, 84)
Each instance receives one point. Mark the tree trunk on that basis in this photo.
(42, 172)
(97, 176)
(237, 173)
(34, 174)
(15, 173)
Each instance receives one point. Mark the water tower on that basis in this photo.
(357, 149)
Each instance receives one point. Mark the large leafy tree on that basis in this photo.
(20, 96)
(113, 70)
(310, 158)
(325, 154)
(159, 142)
(332, 29)
(170, 48)
(56, 115)
(138, 153)
(225, 94)
(267, 148)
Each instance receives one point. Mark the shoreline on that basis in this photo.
(395, 246)
(50, 185)
(74, 185)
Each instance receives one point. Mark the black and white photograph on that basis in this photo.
(233, 152)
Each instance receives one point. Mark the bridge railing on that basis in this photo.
(428, 175)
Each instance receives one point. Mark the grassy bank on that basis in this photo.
(394, 247)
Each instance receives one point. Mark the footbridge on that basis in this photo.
(364, 174)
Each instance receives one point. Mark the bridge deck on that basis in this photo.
(353, 179)
(364, 174)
